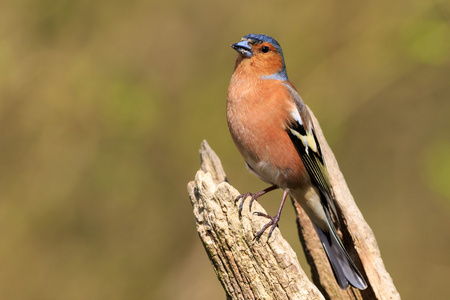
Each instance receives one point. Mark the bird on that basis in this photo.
(273, 131)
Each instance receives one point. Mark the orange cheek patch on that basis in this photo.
(267, 64)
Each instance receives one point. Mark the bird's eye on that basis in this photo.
(265, 49)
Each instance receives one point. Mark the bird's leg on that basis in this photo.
(254, 197)
(273, 220)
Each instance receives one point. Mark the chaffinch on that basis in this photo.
(273, 131)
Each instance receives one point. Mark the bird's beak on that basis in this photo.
(243, 48)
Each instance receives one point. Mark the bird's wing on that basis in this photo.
(303, 136)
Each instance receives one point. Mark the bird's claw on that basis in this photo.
(273, 223)
(254, 196)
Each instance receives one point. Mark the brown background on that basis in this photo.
(104, 105)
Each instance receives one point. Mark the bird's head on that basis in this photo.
(263, 55)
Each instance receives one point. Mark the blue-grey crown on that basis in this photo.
(260, 38)
(264, 38)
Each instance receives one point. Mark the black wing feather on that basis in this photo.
(308, 148)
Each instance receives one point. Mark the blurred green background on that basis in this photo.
(104, 105)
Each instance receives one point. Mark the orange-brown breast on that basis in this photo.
(258, 112)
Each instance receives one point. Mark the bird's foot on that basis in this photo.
(254, 196)
(273, 223)
(242, 197)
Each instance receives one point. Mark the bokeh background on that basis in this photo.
(103, 106)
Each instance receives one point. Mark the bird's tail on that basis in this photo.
(317, 208)
(343, 267)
